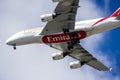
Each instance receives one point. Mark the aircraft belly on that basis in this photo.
(26, 40)
(57, 38)
(104, 26)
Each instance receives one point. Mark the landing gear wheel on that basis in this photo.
(73, 34)
(14, 47)
(76, 41)
(65, 30)
(70, 45)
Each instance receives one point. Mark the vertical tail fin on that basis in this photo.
(118, 17)
(116, 13)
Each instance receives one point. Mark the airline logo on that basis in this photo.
(57, 38)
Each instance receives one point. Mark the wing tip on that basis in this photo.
(110, 69)
(107, 69)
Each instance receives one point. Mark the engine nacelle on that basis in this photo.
(75, 64)
(57, 0)
(57, 56)
(47, 17)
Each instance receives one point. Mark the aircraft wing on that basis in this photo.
(79, 53)
(65, 14)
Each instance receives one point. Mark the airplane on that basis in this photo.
(63, 33)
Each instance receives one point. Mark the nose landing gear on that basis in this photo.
(14, 47)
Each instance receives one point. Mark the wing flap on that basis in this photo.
(97, 65)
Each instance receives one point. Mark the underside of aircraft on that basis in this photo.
(64, 34)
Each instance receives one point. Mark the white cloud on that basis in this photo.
(106, 7)
(33, 62)
(106, 2)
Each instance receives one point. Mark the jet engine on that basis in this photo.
(75, 64)
(47, 17)
(57, 0)
(57, 56)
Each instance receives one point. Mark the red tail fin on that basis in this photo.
(115, 14)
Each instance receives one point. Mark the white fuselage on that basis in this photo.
(90, 27)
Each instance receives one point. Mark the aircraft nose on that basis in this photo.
(10, 42)
(7, 42)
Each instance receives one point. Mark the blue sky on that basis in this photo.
(33, 62)
(111, 43)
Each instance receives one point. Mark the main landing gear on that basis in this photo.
(65, 30)
(74, 38)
